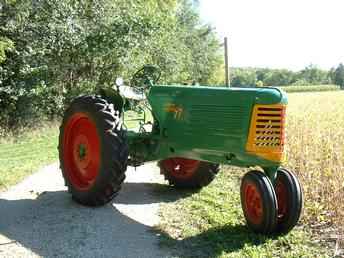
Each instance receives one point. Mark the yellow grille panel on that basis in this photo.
(266, 135)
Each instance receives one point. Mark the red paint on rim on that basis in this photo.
(81, 151)
(181, 168)
(282, 199)
(253, 203)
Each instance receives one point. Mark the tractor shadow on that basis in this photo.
(210, 243)
(48, 223)
(148, 193)
(214, 242)
(51, 224)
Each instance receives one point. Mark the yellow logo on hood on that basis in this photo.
(173, 108)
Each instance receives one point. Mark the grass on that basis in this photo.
(210, 223)
(21, 155)
(310, 88)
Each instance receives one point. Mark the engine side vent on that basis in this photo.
(266, 136)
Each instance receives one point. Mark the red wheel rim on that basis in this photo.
(81, 151)
(282, 198)
(253, 203)
(180, 167)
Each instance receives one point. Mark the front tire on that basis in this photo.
(289, 198)
(188, 173)
(259, 203)
(93, 150)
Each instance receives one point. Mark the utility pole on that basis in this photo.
(226, 62)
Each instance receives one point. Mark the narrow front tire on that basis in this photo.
(289, 198)
(259, 203)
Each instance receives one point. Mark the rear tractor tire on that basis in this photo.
(93, 150)
(188, 173)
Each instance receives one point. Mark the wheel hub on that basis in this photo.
(253, 203)
(180, 167)
(81, 152)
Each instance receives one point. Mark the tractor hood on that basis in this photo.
(210, 123)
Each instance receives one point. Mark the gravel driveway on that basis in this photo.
(38, 218)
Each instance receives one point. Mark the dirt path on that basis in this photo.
(38, 218)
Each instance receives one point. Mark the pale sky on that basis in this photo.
(280, 34)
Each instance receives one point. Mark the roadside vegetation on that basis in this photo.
(210, 223)
(25, 152)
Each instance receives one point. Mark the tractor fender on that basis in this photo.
(112, 96)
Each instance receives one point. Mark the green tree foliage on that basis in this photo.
(339, 76)
(243, 77)
(310, 75)
(52, 50)
(314, 75)
(5, 46)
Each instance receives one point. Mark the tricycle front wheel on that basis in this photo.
(271, 208)
(289, 199)
(259, 202)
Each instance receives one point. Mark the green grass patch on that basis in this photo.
(310, 88)
(24, 153)
(210, 223)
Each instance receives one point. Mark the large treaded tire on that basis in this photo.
(110, 162)
(202, 175)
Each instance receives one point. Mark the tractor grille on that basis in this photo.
(266, 134)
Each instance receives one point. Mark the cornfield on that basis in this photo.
(315, 151)
(310, 88)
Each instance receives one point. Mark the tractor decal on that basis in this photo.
(173, 108)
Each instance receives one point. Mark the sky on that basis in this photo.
(279, 33)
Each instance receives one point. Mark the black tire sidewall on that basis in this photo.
(294, 200)
(269, 201)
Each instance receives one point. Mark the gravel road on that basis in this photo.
(39, 219)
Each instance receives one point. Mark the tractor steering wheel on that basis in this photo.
(145, 77)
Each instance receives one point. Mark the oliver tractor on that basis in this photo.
(193, 130)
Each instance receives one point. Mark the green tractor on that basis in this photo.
(193, 129)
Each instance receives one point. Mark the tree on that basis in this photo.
(53, 50)
(339, 76)
(278, 77)
(313, 75)
(5, 46)
(243, 77)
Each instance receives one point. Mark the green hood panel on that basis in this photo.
(207, 122)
